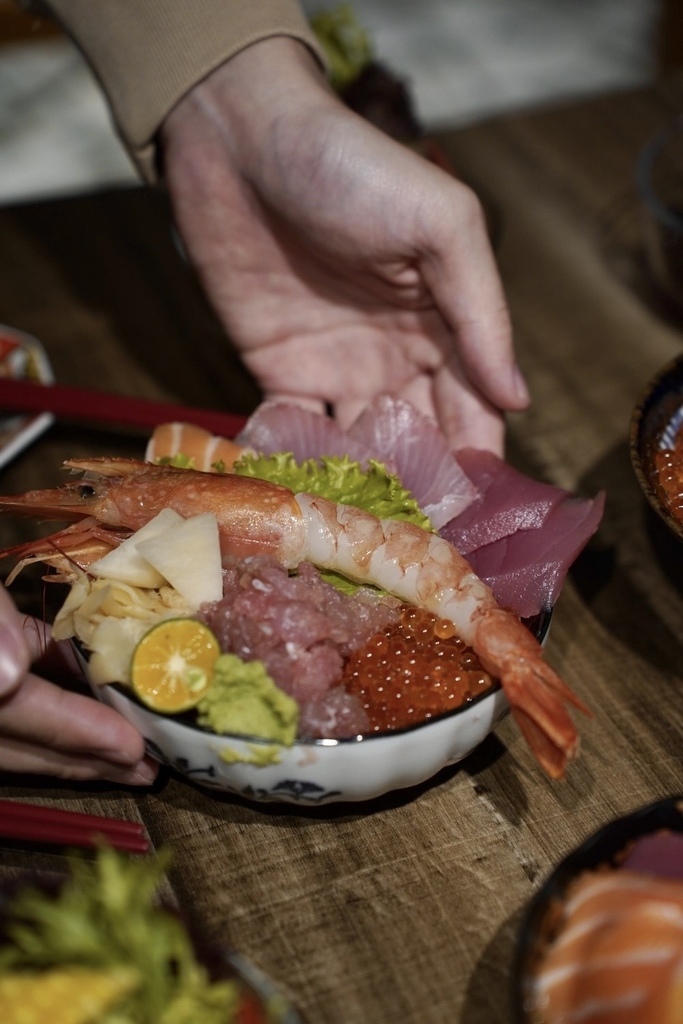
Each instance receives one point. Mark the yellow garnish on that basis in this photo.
(64, 995)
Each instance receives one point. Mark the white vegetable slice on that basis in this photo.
(112, 645)
(126, 564)
(189, 557)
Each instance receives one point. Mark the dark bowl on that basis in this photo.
(656, 420)
(604, 847)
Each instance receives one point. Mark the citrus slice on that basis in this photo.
(171, 668)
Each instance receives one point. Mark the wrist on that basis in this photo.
(240, 103)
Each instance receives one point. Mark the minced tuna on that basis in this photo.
(303, 630)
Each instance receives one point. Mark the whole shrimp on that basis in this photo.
(254, 516)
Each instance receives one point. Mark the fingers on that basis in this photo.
(24, 758)
(464, 415)
(46, 714)
(307, 402)
(46, 729)
(14, 651)
(464, 281)
(49, 657)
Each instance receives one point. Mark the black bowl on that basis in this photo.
(602, 848)
(656, 420)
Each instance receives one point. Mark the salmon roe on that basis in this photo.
(415, 669)
(669, 470)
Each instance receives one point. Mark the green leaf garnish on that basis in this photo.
(339, 479)
(178, 461)
(106, 916)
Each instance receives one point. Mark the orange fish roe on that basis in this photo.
(413, 670)
(669, 468)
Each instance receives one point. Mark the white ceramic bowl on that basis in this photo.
(314, 772)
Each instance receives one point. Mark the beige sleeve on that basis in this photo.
(147, 54)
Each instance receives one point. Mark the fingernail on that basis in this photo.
(13, 658)
(520, 386)
(142, 774)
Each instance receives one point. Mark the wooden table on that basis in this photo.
(407, 910)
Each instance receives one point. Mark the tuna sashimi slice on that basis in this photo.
(417, 451)
(390, 431)
(526, 571)
(507, 501)
(284, 427)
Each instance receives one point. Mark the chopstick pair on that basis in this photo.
(34, 823)
(83, 405)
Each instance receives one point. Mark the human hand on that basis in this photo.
(47, 730)
(341, 264)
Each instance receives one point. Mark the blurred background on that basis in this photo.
(462, 60)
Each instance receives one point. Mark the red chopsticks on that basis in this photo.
(35, 823)
(83, 405)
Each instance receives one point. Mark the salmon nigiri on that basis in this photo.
(617, 955)
(205, 450)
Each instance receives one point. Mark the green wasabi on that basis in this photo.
(243, 699)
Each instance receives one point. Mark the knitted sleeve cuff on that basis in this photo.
(147, 54)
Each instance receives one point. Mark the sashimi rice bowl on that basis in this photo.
(307, 614)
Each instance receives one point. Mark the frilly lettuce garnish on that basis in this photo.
(339, 479)
(178, 461)
(105, 917)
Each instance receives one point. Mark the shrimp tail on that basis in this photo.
(538, 700)
(537, 696)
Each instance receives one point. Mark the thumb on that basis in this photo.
(14, 653)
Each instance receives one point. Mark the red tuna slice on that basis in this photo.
(285, 427)
(526, 571)
(507, 501)
(394, 432)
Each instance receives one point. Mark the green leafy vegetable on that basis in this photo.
(105, 916)
(178, 461)
(339, 479)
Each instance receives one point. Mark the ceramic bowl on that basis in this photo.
(601, 848)
(656, 419)
(314, 772)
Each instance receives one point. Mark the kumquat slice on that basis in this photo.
(172, 666)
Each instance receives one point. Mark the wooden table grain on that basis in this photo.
(407, 909)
